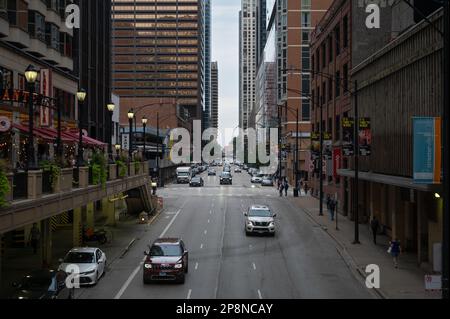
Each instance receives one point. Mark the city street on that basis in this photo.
(301, 261)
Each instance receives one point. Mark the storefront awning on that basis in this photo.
(89, 141)
(36, 132)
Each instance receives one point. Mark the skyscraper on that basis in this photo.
(207, 108)
(214, 95)
(261, 29)
(159, 51)
(247, 61)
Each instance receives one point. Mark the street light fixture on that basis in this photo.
(130, 119)
(31, 75)
(81, 97)
(118, 147)
(144, 124)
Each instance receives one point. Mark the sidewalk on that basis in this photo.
(405, 282)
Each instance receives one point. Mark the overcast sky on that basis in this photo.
(225, 50)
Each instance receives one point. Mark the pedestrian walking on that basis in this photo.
(328, 200)
(332, 208)
(306, 188)
(374, 225)
(395, 250)
(286, 187)
(35, 235)
(280, 188)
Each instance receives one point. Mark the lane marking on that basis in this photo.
(196, 266)
(189, 294)
(201, 246)
(250, 246)
(206, 232)
(170, 224)
(208, 221)
(127, 283)
(259, 294)
(210, 212)
(254, 266)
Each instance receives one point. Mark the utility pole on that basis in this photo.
(356, 157)
(157, 149)
(446, 153)
(279, 142)
(296, 154)
(321, 153)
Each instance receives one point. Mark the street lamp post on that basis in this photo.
(356, 157)
(144, 125)
(81, 97)
(117, 146)
(31, 75)
(130, 147)
(296, 156)
(111, 107)
(321, 153)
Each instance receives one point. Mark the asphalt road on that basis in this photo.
(301, 261)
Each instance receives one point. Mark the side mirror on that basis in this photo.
(145, 253)
(186, 251)
(245, 214)
(274, 215)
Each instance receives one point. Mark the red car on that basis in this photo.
(167, 260)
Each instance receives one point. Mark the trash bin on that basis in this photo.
(295, 192)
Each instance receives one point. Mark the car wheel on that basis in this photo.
(182, 279)
(186, 270)
(247, 233)
(145, 281)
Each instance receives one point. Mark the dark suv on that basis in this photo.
(226, 178)
(167, 260)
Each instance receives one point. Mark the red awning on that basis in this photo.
(86, 139)
(54, 133)
(36, 132)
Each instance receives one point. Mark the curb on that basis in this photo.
(346, 257)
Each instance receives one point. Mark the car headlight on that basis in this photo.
(88, 272)
(249, 223)
(148, 266)
(272, 224)
(178, 266)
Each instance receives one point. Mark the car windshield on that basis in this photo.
(195, 179)
(38, 283)
(226, 174)
(183, 174)
(80, 258)
(259, 213)
(165, 250)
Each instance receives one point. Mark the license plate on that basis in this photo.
(163, 274)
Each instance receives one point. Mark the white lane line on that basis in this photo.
(201, 246)
(259, 294)
(208, 221)
(206, 232)
(170, 224)
(250, 246)
(196, 266)
(127, 283)
(210, 212)
(254, 266)
(167, 217)
(189, 294)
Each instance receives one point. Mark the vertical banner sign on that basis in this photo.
(327, 146)
(348, 133)
(365, 137)
(337, 156)
(427, 150)
(315, 145)
(45, 90)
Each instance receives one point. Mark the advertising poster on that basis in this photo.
(337, 156)
(365, 137)
(45, 90)
(315, 145)
(427, 160)
(327, 146)
(348, 133)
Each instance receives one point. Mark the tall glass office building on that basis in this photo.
(159, 51)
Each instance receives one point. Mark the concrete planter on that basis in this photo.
(131, 169)
(65, 180)
(145, 168)
(34, 183)
(112, 172)
(83, 177)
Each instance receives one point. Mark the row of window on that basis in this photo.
(324, 94)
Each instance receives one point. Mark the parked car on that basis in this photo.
(211, 172)
(259, 219)
(196, 182)
(226, 178)
(43, 284)
(167, 259)
(267, 181)
(237, 169)
(91, 262)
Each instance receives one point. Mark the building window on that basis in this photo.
(313, 97)
(306, 110)
(337, 128)
(330, 49)
(330, 89)
(305, 37)
(36, 25)
(338, 84)
(345, 78)
(52, 36)
(7, 80)
(337, 37)
(306, 19)
(324, 55)
(324, 93)
(345, 27)
(306, 65)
